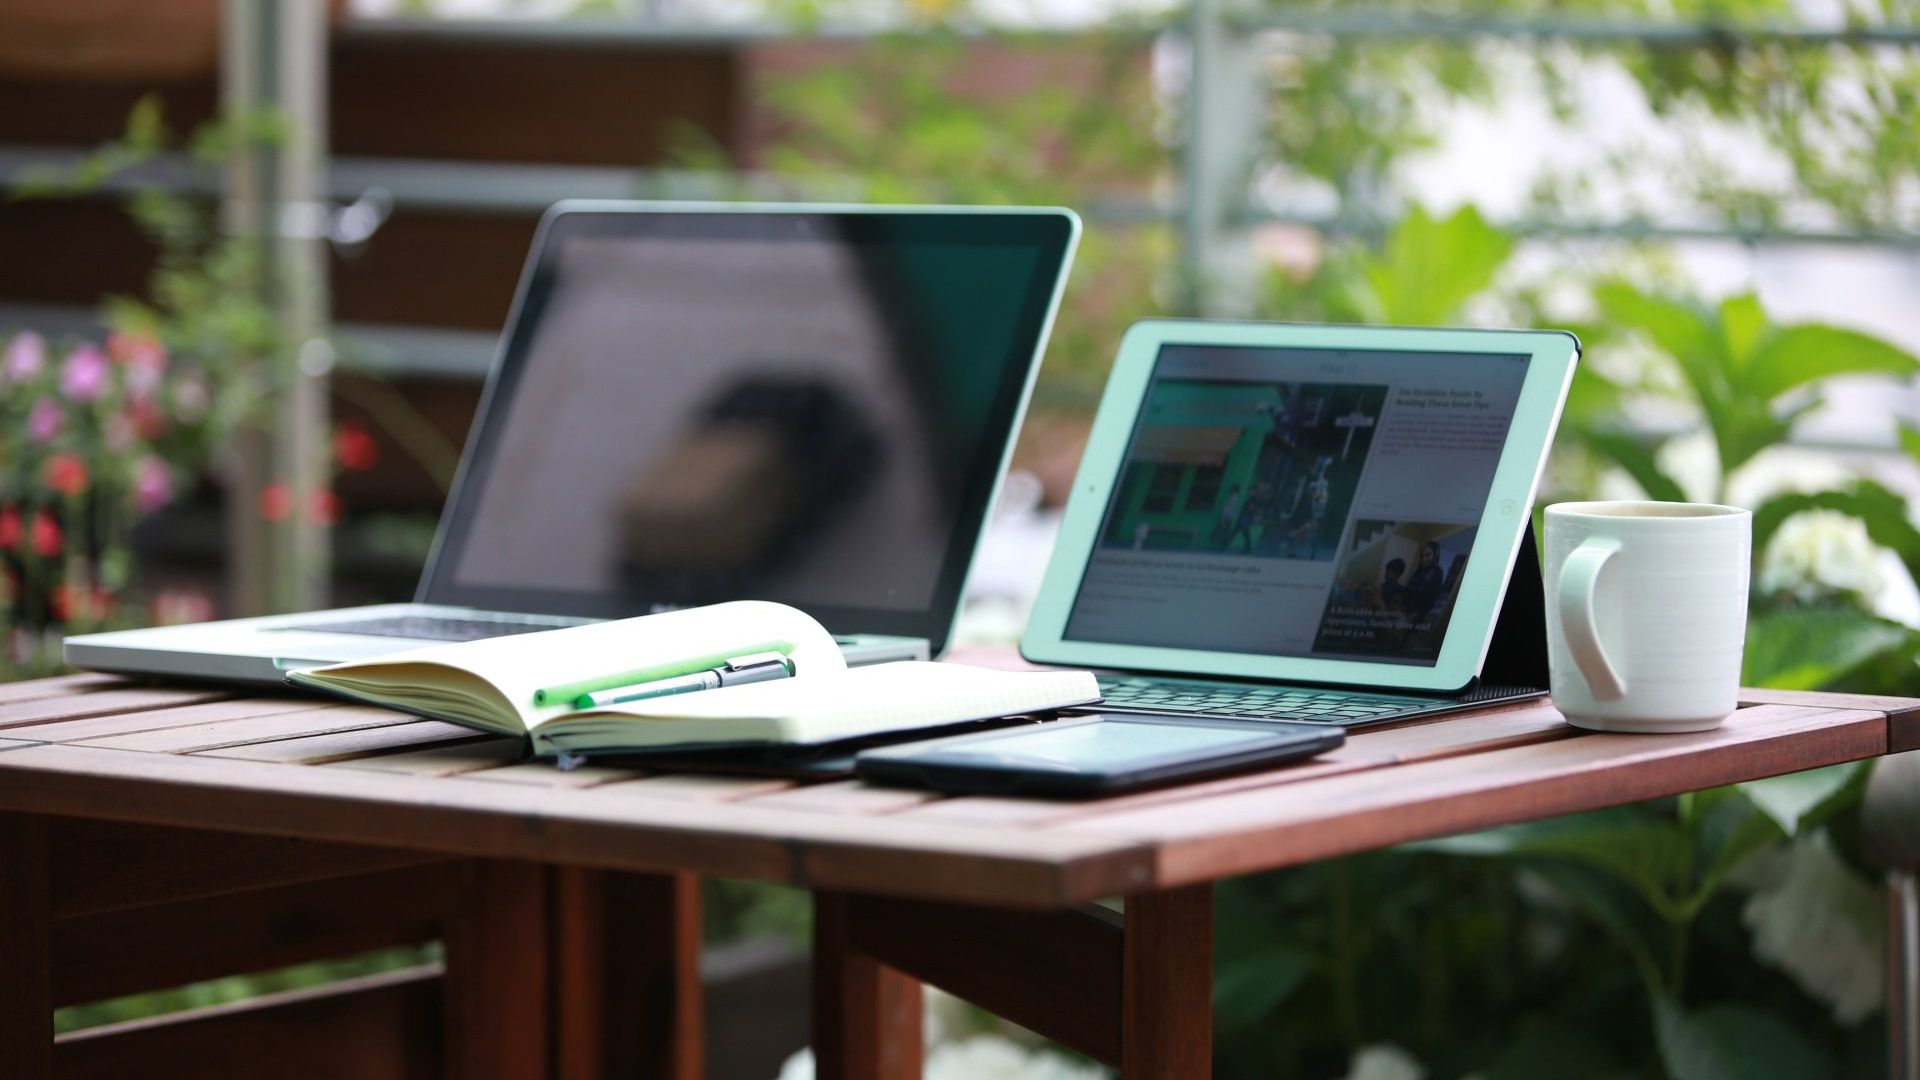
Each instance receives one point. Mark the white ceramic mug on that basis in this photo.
(1646, 612)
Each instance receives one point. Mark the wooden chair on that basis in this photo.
(529, 987)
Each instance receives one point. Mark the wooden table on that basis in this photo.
(153, 836)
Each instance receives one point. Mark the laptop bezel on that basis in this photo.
(1054, 230)
(1552, 356)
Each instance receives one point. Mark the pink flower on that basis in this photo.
(174, 606)
(144, 359)
(45, 420)
(26, 355)
(152, 485)
(84, 378)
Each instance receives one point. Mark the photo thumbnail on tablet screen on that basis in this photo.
(1394, 589)
(1263, 469)
(1266, 493)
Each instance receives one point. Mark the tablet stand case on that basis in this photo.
(1517, 654)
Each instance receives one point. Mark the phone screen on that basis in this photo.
(1107, 746)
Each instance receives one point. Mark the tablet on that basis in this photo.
(1321, 504)
(1092, 756)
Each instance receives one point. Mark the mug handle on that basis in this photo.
(1578, 575)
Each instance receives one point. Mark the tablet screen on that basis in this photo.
(1299, 502)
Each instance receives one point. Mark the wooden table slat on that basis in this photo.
(1368, 749)
(545, 774)
(459, 759)
(696, 787)
(230, 723)
(590, 827)
(154, 720)
(341, 745)
(60, 686)
(102, 703)
(1204, 839)
(441, 788)
(845, 797)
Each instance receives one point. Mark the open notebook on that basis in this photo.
(528, 684)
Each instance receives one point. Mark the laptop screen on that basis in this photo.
(1296, 502)
(803, 407)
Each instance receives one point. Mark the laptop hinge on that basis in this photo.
(1517, 655)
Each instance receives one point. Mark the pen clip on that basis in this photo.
(756, 661)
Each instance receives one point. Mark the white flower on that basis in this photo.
(797, 1067)
(1820, 552)
(1782, 468)
(1693, 462)
(952, 1055)
(993, 1057)
(1822, 925)
(1384, 1061)
(979, 1057)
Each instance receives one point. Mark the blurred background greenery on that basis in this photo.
(1722, 198)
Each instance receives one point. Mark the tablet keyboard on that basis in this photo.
(1257, 701)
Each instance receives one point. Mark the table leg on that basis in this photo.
(497, 1020)
(627, 994)
(1166, 1023)
(26, 935)
(866, 1015)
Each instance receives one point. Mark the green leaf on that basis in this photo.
(1910, 441)
(1812, 648)
(1744, 323)
(1252, 984)
(1431, 267)
(1803, 798)
(1681, 330)
(1635, 458)
(1649, 855)
(1728, 829)
(1593, 398)
(1733, 1042)
(1794, 356)
(1555, 1047)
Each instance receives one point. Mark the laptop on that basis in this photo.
(702, 402)
(1319, 524)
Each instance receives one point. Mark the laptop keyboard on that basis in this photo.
(1255, 701)
(437, 627)
(454, 628)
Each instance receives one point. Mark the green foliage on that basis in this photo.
(1734, 1042)
(1810, 648)
(1739, 367)
(1646, 874)
(1074, 125)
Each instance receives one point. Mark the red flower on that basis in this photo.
(65, 474)
(353, 448)
(9, 528)
(147, 418)
(47, 539)
(276, 502)
(325, 507)
(80, 603)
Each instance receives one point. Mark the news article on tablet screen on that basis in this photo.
(1299, 502)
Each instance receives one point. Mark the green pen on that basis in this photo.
(739, 671)
(569, 691)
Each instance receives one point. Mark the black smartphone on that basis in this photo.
(1094, 755)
